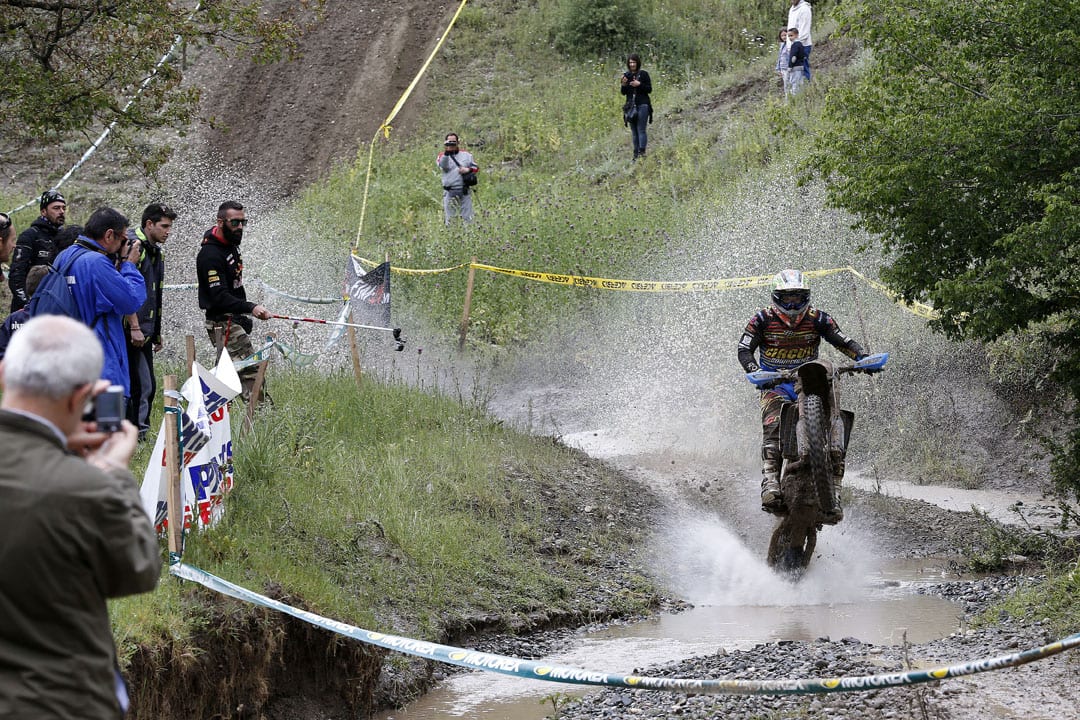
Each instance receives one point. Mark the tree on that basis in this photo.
(959, 147)
(72, 66)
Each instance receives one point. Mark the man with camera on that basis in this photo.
(458, 176)
(107, 286)
(220, 270)
(73, 532)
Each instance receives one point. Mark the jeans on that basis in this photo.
(638, 130)
(455, 201)
(806, 62)
(143, 384)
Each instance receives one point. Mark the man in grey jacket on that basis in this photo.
(72, 529)
(457, 165)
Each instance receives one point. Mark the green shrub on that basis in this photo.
(599, 27)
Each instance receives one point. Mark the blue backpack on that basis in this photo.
(53, 295)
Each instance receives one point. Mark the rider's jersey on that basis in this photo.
(786, 347)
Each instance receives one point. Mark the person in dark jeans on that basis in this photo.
(144, 326)
(637, 110)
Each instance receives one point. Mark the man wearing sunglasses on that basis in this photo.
(36, 244)
(220, 269)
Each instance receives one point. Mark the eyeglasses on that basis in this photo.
(237, 222)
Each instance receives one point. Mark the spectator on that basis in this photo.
(65, 238)
(144, 327)
(73, 532)
(783, 60)
(7, 245)
(637, 111)
(35, 245)
(796, 55)
(220, 270)
(456, 164)
(107, 286)
(17, 319)
(800, 16)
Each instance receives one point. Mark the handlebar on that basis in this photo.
(765, 379)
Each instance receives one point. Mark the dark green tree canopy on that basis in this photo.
(959, 146)
(72, 66)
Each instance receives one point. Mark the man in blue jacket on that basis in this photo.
(106, 286)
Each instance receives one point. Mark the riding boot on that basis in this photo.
(772, 498)
(836, 513)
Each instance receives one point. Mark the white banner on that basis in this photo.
(206, 440)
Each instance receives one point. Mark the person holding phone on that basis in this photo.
(73, 531)
(636, 85)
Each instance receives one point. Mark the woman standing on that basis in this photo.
(637, 111)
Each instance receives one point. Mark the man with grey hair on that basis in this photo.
(72, 528)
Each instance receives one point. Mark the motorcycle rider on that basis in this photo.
(785, 336)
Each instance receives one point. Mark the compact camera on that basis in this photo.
(109, 409)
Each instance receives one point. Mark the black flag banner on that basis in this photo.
(368, 292)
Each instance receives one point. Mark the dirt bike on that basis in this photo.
(813, 431)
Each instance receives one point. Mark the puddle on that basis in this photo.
(879, 609)
(996, 504)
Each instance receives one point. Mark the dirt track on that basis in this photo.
(288, 123)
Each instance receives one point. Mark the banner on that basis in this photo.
(368, 293)
(206, 471)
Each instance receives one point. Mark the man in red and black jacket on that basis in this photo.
(221, 289)
(786, 335)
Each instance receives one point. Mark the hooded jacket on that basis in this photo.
(104, 296)
(221, 277)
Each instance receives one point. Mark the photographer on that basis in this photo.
(73, 531)
(107, 286)
(458, 175)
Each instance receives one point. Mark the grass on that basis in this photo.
(388, 508)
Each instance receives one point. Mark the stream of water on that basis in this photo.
(882, 606)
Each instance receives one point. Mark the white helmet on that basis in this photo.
(791, 294)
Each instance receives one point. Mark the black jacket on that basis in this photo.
(152, 267)
(637, 95)
(221, 278)
(36, 246)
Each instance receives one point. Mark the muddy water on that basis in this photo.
(878, 607)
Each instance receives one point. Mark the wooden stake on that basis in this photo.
(464, 329)
(189, 346)
(355, 350)
(256, 392)
(175, 501)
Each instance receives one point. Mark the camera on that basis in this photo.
(109, 409)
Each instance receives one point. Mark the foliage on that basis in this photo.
(959, 146)
(599, 27)
(691, 37)
(72, 67)
(1053, 601)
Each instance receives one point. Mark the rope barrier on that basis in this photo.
(664, 286)
(505, 665)
(101, 138)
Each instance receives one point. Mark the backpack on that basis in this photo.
(53, 295)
